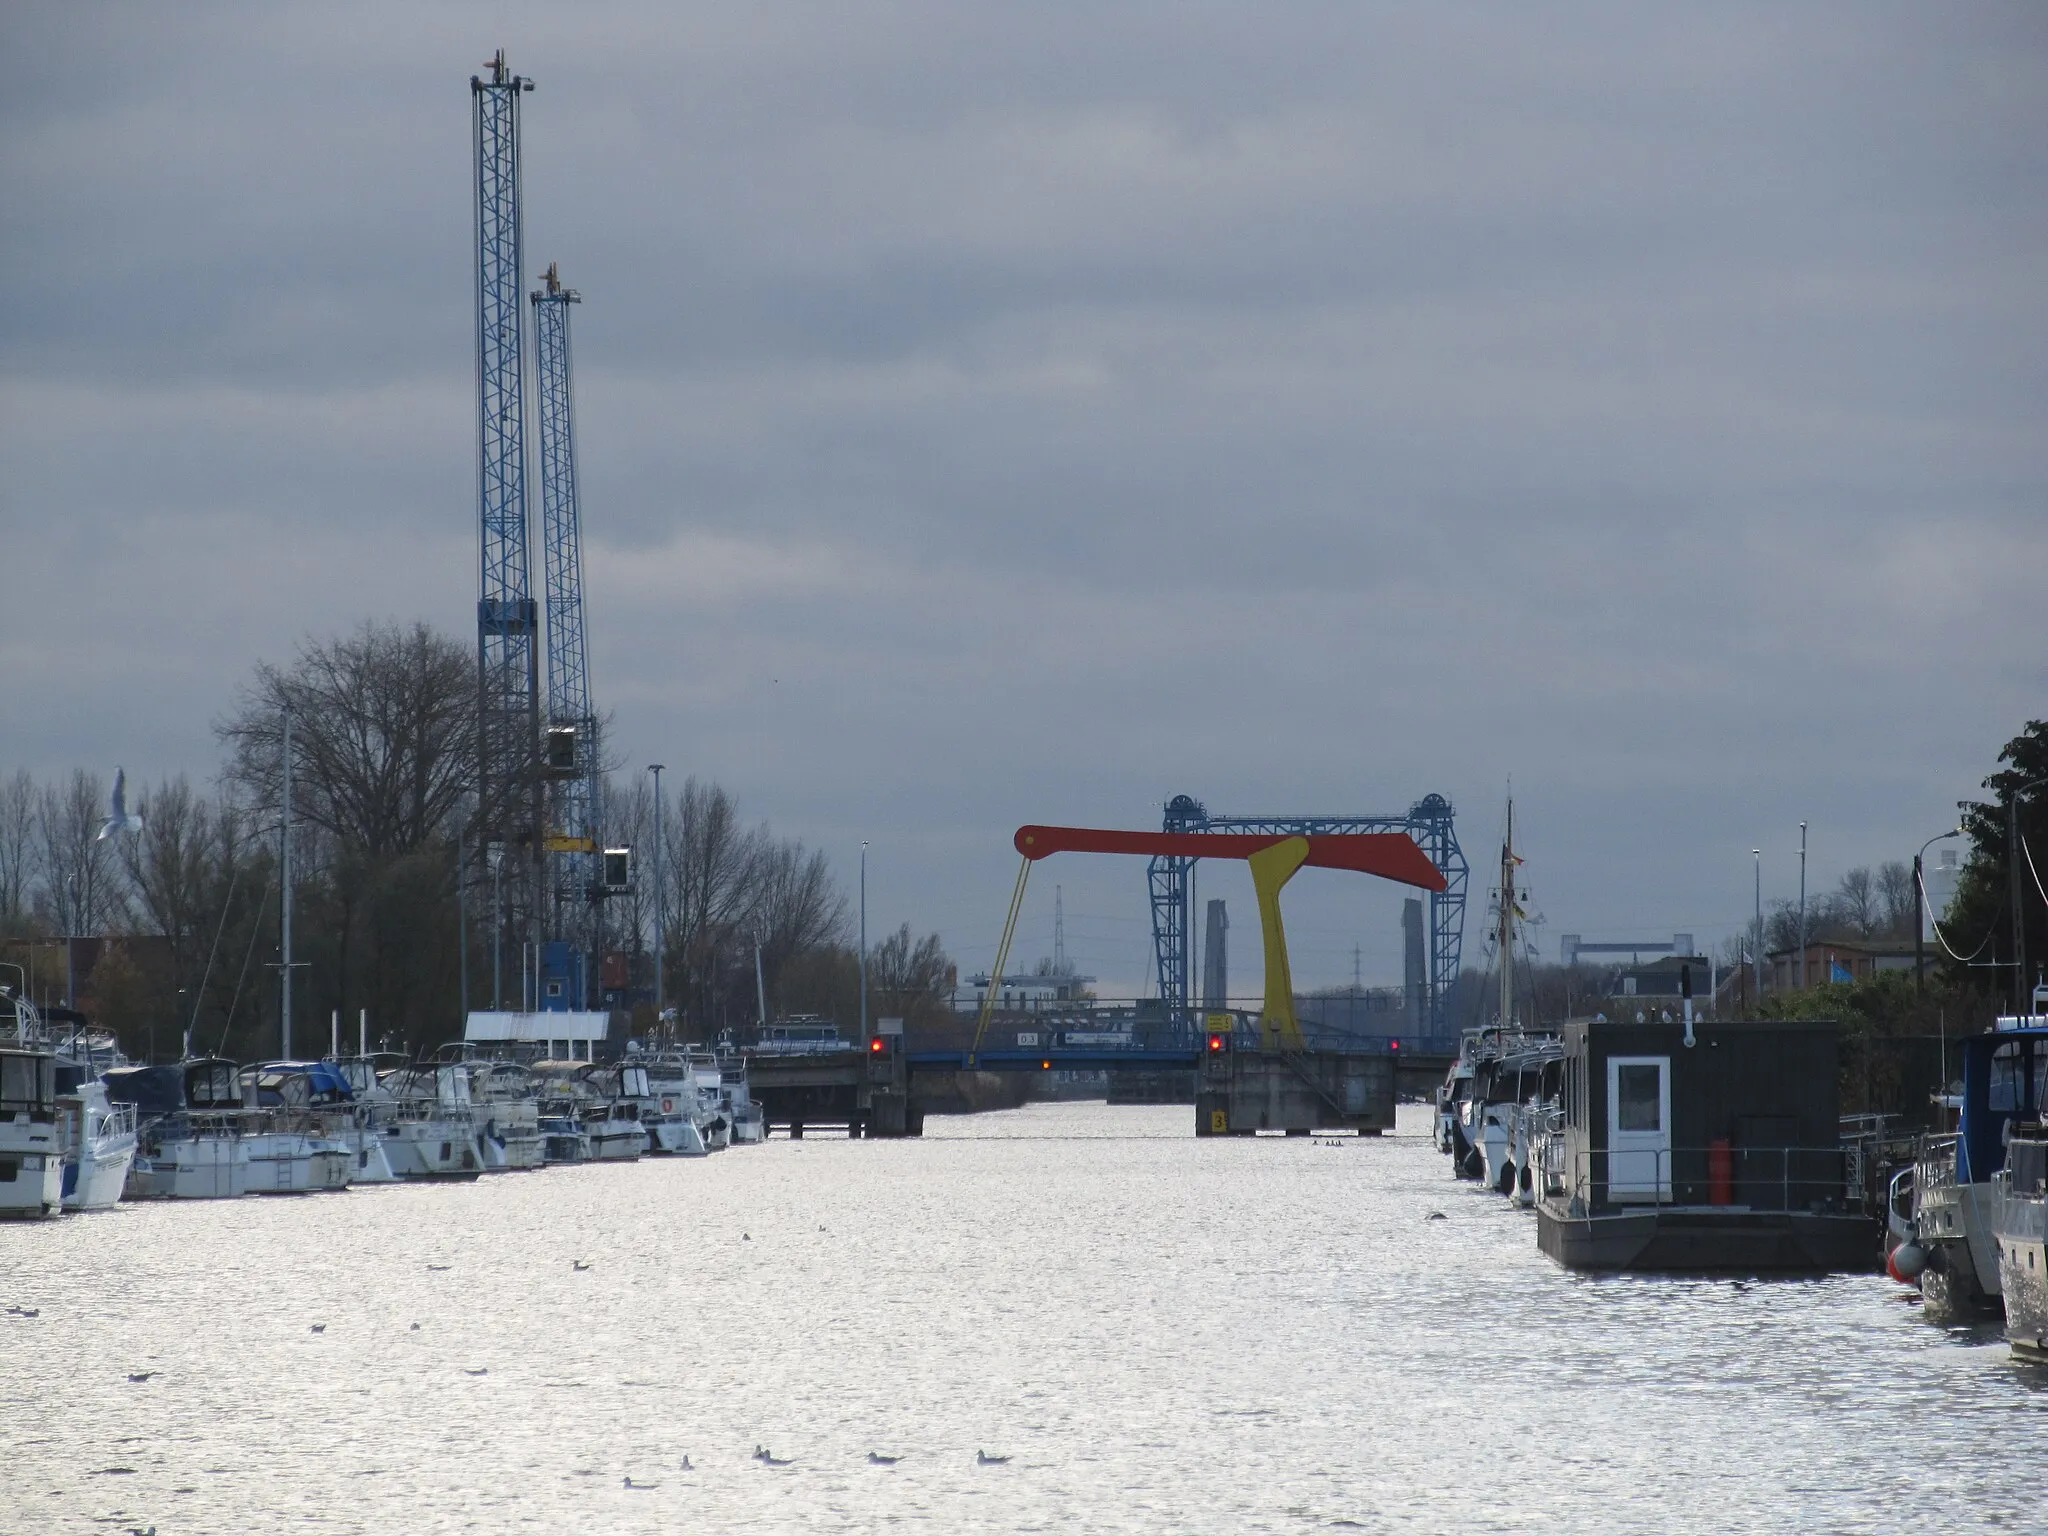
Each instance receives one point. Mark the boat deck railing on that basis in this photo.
(1814, 1179)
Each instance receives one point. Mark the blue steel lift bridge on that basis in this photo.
(507, 620)
(571, 756)
(1429, 821)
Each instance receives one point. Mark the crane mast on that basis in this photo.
(571, 744)
(508, 682)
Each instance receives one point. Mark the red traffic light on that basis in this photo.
(1215, 1043)
(877, 1045)
(1393, 1045)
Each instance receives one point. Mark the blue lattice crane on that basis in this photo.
(507, 619)
(571, 760)
(1430, 821)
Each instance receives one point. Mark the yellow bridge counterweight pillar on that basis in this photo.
(1272, 867)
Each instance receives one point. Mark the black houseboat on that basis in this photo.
(1702, 1147)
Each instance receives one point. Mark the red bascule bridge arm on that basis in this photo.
(1273, 860)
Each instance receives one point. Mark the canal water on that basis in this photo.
(1160, 1333)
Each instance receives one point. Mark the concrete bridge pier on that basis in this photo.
(1241, 1092)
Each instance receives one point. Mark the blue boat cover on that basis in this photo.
(325, 1078)
(152, 1090)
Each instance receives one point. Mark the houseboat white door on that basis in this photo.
(1638, 1128)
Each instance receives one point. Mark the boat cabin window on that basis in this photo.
(2027, 1163)
(26, 1083)
(2009, 1077)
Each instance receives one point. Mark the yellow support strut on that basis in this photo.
(995, 979)
(1273, 867)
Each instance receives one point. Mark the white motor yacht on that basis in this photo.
(612, 1096)
(749, 1124)
(431, 1130)
(361, 1129)
(98, 1138)
(709, 1081)
(669, 1112)
(188, 1130)
(31, 1152)
(562, 1136)
(507, 1114)
(291, 1143)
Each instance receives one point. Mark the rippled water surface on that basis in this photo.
(1163, 1334)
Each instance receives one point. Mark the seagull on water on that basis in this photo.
(122, 820)
(578, 1265)
(686, 1467)
(631, 1484)
(983, 1459)
(877, 1459)
(482, 1370)
(140, 1375)
(319, 1327)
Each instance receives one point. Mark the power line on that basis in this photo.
(1941, 939)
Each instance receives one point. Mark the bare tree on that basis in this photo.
(910, 979)
(17, 849)
(796, 906)
(174, 865)
(1853, 906)
(383, 736)
(1895, 897)
(81, 885)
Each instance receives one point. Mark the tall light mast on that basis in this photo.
(572, 755)
(507, 622)
(1505, 936)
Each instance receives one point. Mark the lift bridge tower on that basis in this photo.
(1430, 821)
(507, 619)
(570, 758)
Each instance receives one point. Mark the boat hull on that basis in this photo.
(95, 1181)
(675, 1137)
(1708, 1240)
(432, 1150)
(31, 1185)
(200, 1168)
(615, 1141)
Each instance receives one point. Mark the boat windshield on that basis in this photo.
(28, 1083)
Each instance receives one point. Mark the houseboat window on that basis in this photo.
(1640, 1091)
(2007, 1080)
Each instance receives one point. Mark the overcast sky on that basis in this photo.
(1025, 413)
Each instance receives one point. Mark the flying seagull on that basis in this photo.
(121, 820)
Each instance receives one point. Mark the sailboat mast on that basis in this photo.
(1506, 933)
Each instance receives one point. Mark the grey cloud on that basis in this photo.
(1027, 413)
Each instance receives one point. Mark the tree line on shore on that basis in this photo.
(187, 909)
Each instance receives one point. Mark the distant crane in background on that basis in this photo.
(1430, 821)
(571, 759)
(507, 620)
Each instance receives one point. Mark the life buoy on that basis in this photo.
(668, 1106)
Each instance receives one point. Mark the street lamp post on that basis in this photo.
(863, 945)
(1756, 938)
(462, 913)
(1802, 906)
(660, 910)
(1919, 915)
